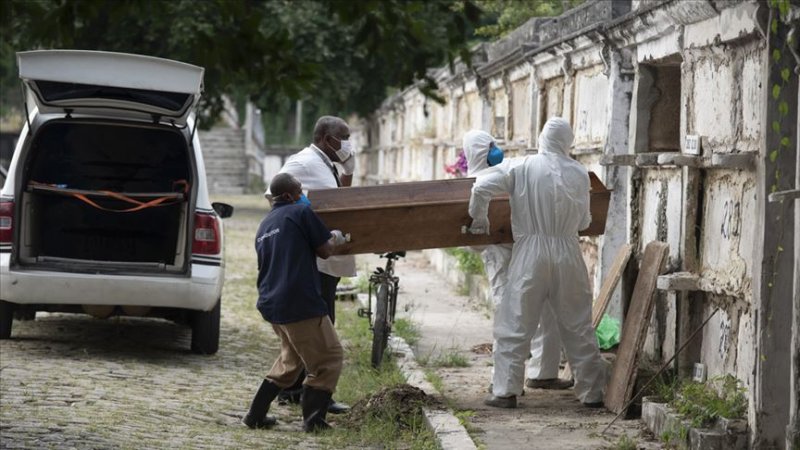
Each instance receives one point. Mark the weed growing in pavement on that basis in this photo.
(406, 330)
(435, 379)
(463, 417)
(624, 443)
(452, 358)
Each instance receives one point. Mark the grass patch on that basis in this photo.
(451, 358)
(406, 330)
(360, 383)
(624, 443)
(464, 417)
(434, 379)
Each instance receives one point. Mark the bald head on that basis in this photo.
(285, 187)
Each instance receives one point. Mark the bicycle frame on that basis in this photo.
(383, 284)
(381, 276)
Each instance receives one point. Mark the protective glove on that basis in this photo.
(349, 165)
(337, 237)
(479, 226)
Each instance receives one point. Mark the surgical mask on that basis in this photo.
(495, 156)
(345, 150)
(303, 200)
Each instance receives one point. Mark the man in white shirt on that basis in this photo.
(317, 167)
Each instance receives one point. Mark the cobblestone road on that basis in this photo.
(72, 381)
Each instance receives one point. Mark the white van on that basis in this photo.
(105, 209)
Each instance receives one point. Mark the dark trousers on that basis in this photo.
(329, 284)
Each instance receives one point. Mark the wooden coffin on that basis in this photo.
(425, 214)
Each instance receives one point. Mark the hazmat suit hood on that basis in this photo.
(476, 148)
(556, 137)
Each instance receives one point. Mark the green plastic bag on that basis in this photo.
(607, 332)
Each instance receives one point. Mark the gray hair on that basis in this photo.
(327, 125)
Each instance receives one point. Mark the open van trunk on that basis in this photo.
(83, 193)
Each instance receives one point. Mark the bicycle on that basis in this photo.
(384, 284)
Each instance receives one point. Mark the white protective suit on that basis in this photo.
(546, 344)
(549, 197)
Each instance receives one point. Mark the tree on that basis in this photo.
(342, 53)
(503, 16)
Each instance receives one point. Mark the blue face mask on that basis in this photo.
(495, 156)
(303, 200)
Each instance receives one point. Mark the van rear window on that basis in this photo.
(53, 91)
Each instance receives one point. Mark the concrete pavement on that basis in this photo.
(453, 327)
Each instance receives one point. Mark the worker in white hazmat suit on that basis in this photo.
(549, 198)
(483, 158)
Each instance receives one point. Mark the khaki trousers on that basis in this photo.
(310, 343)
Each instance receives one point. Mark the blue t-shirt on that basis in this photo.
(288, 280)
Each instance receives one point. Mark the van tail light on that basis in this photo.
(206, 234)
(6, 222)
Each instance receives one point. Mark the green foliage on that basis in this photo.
(362, 284)
(451, 358)
(503, 16)
(342, 54)
(624, 443)
(664, 387)
(469, 261)
(434, 379)
(406, 330)
(703, 403)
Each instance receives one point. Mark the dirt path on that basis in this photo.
(451, 325)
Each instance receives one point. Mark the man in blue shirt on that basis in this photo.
(287, 243)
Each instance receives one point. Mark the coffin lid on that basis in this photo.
(407, 194)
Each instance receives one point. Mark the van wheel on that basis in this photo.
(6, 318)
(205, 330)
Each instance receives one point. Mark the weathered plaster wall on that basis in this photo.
(707, 60)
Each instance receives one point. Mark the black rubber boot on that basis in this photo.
(337, 407)
(315, 407)
(257, 416)
(293, 393)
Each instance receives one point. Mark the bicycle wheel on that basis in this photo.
(380, 326)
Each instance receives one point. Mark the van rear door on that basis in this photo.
(113, 84)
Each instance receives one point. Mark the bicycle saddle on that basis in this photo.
(394, 255)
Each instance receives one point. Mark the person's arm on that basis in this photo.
(325, 250)
(486, 187)
(586, 220)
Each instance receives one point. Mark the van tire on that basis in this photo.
(6, 318)
(205, 330)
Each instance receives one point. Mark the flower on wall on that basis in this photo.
(459, 168)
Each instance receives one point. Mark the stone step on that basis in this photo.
(225, 160)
